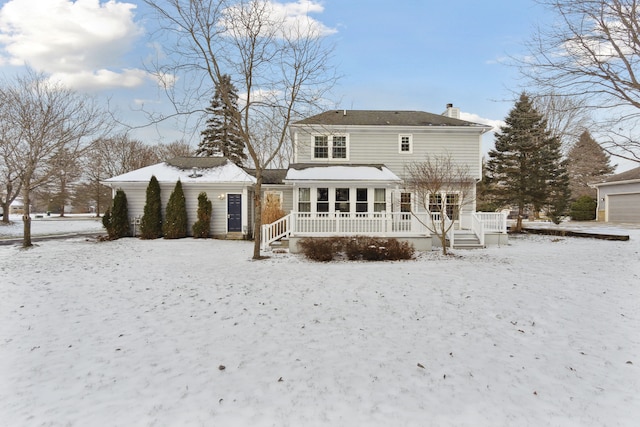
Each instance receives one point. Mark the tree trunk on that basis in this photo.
(6, 206)
(518, 227)
(257, 222)
(26, 219)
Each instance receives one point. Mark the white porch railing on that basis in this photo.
(383, 224)
(493, 222)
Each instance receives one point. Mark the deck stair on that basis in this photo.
(280, 246)
(466, 239)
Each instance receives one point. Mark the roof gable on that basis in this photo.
(383, 118)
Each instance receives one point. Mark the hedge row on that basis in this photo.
(355, 248)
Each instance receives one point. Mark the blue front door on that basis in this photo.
(234, 213)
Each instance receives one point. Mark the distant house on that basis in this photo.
(346, 178)
(619, 197)
(227, 186)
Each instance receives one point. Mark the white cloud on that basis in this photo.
(78, 42)
(291, 18)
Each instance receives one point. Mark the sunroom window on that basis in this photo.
(322, 200)
(342, 200)
(304, 200)
(361, 200)
(379, 200)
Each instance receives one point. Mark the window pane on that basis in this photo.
(405, 143)
(361, 194)
(342, 194)
(379, 200)
(321, 147)
(435, 202)
(304, 194)
(342, 199)
(339, 147)
(405, 202)
(322, 198)
(304, 207)
(323, 194)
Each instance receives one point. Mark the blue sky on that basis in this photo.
(405, 55)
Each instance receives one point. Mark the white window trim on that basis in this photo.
(329, 147)
(410, 136)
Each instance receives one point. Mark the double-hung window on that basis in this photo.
(379, 200)
(304, 200)
(405, 144)
(330, 147)
(321, 147)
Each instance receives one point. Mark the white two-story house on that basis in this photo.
(347, 178)
(348, 172)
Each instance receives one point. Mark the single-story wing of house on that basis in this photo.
(619, 197)
(226, 185)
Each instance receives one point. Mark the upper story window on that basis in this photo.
(321, 147)
(405, 144)
(330, 147)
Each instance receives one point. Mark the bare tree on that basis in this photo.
(442, 188)
(566, 117)
(173, 149)
(44, 120)
(277, 65)
(10, 183)
(592, 53)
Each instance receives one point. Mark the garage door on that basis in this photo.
(624, 208)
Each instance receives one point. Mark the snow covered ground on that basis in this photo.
(543, 331)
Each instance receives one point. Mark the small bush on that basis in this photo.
(322, 250)
(356, 248)
(202, 226)
(583, 209)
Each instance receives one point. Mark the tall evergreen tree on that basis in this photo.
(526, 167)
(151, 222)
(221, 135)
(175, 224)
(587, 162)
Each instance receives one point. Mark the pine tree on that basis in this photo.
(116, 219)
(202, 226)
(587, 162)
(221, 135)
(526, 166)
(175, 224)
(151, 222)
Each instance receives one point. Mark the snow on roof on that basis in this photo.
(340, 173)
(227, 172)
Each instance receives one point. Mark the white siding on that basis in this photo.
(136, 199)
(376, 145)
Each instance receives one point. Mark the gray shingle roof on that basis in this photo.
(623, 176)
(383, 118)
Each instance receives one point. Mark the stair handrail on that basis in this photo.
(275, 231)
(477, 227)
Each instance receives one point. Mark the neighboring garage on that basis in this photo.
(619, 197)
(624, 208)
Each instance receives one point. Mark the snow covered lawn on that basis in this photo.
(544, 331)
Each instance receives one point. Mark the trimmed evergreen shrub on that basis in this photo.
(151, 222)
(175, 224)
(583, 209)
(116, 219)
(202, 226)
